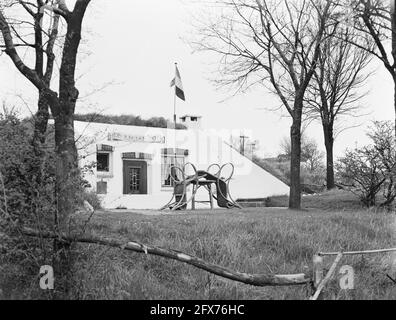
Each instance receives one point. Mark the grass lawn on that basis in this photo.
(259, 240)
(332, 200)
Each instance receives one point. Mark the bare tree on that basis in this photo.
(336, 88)
(29, 16)
(376, 22)
(311, 155)
(62, 103)
(275, 43)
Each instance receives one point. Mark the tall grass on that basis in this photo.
(259, 240)
(251, 240)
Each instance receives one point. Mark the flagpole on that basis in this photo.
(174, 117)
(174, 103)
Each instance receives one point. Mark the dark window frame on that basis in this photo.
(106, 168)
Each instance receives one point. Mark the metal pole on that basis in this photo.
(174, 109)
(174, 101)
(243, 138)
(174, 121)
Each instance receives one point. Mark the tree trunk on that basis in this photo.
(67, 188)
(67, 174)
(40, 123)
(295, 163)
(66, 167)
(394, 101)
(329, 143)
(38, 140)
(393, 26)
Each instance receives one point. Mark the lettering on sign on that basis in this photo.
(116, 136)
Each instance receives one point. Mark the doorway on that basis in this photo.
(135, 177)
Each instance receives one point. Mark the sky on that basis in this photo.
(127, 62)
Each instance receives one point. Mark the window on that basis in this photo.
(101, 187)
(167, 161)
(134, 180)
(103, 162)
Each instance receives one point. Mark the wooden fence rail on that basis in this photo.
(352, 253)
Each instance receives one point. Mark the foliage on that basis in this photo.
(24, 179)
(311, 156)
(313, 181)
(371, 169)
(273, 167)
(382, 135)
(312, 167)
(28, 198)
(129, 120)
(92, 199)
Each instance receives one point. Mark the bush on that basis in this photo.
(26, 200)
(371, 170)
(92, 199)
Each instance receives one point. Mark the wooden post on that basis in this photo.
(317, 271)
(326, 278)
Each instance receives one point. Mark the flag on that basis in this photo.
(177, 83)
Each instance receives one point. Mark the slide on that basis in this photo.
(181, 194)
(201, 178)
(221, 190)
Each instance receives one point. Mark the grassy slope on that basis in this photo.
(253, 240)
(335, 200)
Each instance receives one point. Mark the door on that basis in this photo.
(135, 177)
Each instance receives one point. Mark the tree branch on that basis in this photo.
(260, 280)
(10, 50)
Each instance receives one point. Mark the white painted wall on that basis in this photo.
(205, 148)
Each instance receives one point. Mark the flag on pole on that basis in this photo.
(177, 83)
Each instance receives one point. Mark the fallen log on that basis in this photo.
(259, 280)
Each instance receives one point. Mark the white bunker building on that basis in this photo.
(129, 166)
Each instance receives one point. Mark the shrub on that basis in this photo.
(26, 199)
(92, 199)
(371, 170)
